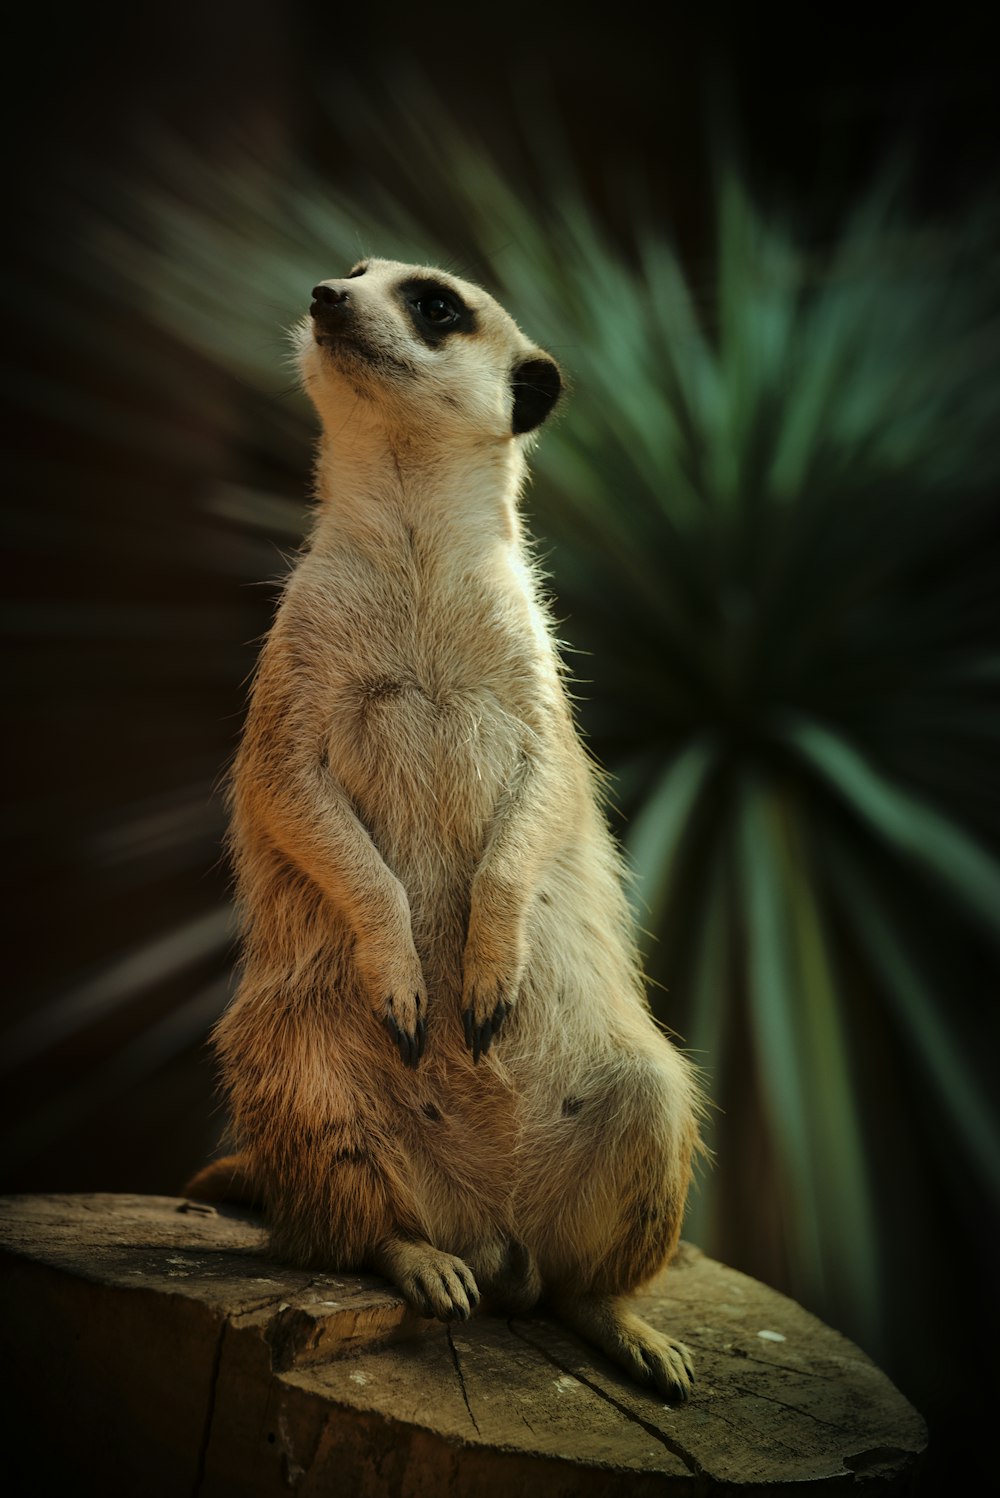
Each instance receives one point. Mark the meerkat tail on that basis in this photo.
(225, 1180)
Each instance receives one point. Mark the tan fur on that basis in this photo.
(421, 855)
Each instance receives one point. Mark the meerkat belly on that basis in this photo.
(425, 773)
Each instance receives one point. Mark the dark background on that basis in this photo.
(133, 618)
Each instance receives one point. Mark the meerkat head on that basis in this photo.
(417, 350)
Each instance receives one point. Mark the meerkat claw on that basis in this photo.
(408, 1045)
(479, 1038)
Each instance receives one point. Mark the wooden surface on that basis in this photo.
(157, 1351)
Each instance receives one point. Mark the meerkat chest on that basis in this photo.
(426, 691)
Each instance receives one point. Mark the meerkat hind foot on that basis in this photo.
(647, 1355)
(436, 1284)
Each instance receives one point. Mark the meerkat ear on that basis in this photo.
(536, 383)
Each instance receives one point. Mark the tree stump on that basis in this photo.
(157, 1350)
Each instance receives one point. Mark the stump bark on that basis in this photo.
(157, 1350)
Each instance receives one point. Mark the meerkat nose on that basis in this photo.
(328, 296)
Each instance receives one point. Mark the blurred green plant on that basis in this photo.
(769, 513)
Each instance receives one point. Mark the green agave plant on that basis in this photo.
(769, 516)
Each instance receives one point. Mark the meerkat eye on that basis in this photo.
(437, 309)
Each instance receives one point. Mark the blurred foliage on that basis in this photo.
(769, 512)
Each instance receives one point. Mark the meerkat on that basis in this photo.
(440, 1061)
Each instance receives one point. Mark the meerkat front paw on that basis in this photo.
(399, 999)
(494, 960)
(482, 1023)
(405, 1018)
(489, 995)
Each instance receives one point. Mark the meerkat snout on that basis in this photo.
(332, 312)
(324, 297)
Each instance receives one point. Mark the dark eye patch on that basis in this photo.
(435, 310)
(358, 270)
